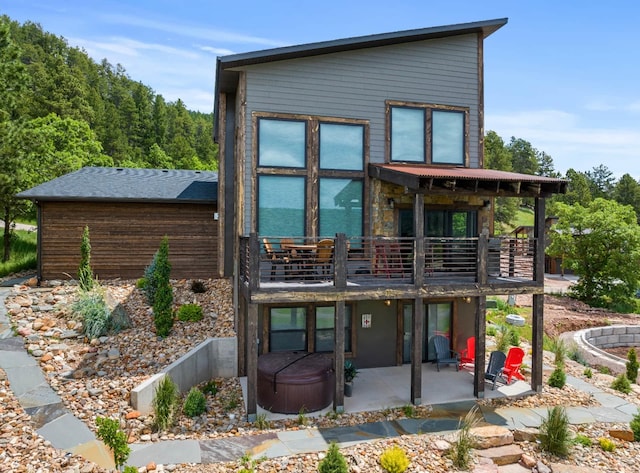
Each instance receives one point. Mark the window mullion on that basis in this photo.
(312, 176)
(428, 136)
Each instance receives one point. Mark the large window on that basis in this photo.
(310, 176)
(427, 133)
(292, 328)
(288, 329)
(325, 328)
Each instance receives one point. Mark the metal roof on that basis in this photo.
(227, 79)
(426, 178)
(129, 184)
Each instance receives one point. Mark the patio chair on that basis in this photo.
(496, 363)
(444, 353)
(275, 257)
(512, 365)
(324, 256)
(468, 355)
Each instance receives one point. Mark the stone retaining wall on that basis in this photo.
(592, 342)
(213, 358)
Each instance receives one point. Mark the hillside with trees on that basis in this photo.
(60, 110)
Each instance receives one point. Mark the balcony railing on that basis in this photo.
(275, 262)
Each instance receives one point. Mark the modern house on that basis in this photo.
(128, 212)
(355, 213)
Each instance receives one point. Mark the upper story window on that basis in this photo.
(310, 175)
(425, 133)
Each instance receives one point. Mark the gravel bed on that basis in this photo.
(94, 378)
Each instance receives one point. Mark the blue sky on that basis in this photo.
(562, 75)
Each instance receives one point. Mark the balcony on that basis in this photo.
(383, 268)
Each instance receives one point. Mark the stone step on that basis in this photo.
(502, 455)
(513, 468)
(491, 436)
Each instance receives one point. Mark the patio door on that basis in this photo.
(438, 317)
(441, 223)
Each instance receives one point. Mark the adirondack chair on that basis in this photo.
(468, 355)
(444, 354)
(512, 365)
(275, 257)
(494, 367)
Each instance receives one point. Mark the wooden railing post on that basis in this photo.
(340, 261)
(254, 262)
(419, 246)
(482, 270)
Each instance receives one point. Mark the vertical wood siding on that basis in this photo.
(355, 84)
(124, 237)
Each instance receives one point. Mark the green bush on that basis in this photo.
(334, 462)
(502, 338)
(190, 313)
(460, 452)
(165, 402)
(198, 287)
(635, 426)
(110, 433)
(558, 378)
(632, 365)
(85, 274)
(603, 369)
(583, 440)
(491, 331)
(588, 373)
(559, 349)
(622, 384)
(141, 283)
(195, 404)
(554, 432)
(514, 337)
(93, 310)
(261, 421)
(394, 460)
(130, 469)
(210, 387)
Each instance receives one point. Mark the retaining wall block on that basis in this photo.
(619, 330)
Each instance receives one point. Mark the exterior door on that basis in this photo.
(438, 317)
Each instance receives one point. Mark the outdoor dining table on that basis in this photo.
(303, 255)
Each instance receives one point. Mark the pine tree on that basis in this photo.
(163, 301)
(334, 462)
(85, 274)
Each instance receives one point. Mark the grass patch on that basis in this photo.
(23, 253)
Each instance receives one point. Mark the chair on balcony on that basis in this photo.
(512, 365)
(496, 363)
(276, 257)
(444, 353)
(468, 355)
(324, 256)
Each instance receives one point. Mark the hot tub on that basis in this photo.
(289, 382)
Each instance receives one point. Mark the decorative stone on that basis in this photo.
(526, 434)
(492, 436)
(541, 468)
(622, 434)
(528, 461)
(502, 455)
(133, 415)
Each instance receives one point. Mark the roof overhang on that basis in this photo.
(423, 179)
(227, 67)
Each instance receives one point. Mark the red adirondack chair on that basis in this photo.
(468, 355)
(512, 365)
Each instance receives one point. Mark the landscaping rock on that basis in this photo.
(502, 455)
(491, 436)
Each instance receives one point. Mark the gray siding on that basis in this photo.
(355, 84)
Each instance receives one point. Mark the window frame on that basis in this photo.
(428, 108)
(312, 172)
(310, 333)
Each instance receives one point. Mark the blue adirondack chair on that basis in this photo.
(494, 368)
(444, 354)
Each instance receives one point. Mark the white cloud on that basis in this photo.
(570, 142)
(209, 34)
(129, 47)
(216, 51)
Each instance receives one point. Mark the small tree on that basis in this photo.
(334, 462)
(632, 365)
(554, 432)
(85, 274)
(110, 433)
(162, 305)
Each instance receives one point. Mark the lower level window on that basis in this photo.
(288, 329)
(325, 318)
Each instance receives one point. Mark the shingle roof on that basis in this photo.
(127, 184)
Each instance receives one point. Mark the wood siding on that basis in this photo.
(124, 237)
(355, 84)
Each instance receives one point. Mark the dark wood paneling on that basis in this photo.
(124, 237)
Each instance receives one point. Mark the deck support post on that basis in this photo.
(338, 358)
(252, 361)
(538, 299)
(416, 351)
(480, 333)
